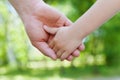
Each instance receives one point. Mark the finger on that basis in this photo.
(50, 39)
(81, 47)
(51, 44)
(64, 55)
(76, 53)
(45, 49)
(70, 58)
(51, 30)
(59, 53)
(68, 22)
(55, 49)
(61, 21)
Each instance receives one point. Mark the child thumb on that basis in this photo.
(50, 30)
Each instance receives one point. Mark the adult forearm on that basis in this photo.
(25, 7)
(99, 13)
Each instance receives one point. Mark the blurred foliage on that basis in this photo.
(102, 46)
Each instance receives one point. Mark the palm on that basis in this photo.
(35, 31)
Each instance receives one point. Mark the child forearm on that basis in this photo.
(99, 13)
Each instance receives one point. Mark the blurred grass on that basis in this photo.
(70, 73)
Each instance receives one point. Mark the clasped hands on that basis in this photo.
(40, 15)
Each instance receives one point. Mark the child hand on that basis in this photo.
(64, 42)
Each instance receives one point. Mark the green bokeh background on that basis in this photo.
(19, 60)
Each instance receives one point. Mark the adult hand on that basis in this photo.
(35, 14)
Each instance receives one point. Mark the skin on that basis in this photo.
(67, 39)
(35, 14)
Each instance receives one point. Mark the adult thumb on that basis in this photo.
(51, 30)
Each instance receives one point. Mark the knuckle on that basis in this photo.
(68, 51)
(66, 48)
